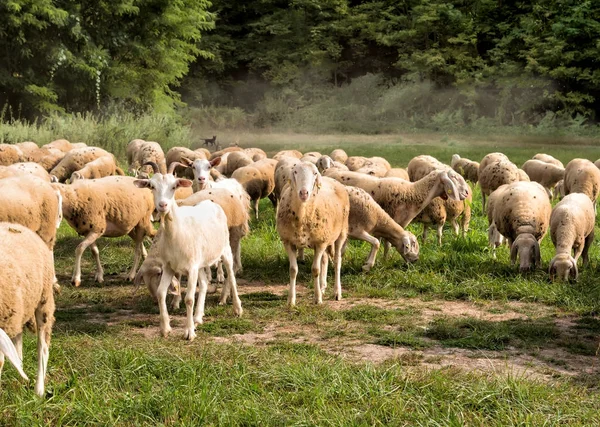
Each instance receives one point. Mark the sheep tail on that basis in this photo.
(8, 349)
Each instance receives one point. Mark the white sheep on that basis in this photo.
(572, 230)
(27, 298)
(192, 238)
(107, 207)
(313, 213)
(75, 160)
(29, 150)
(287, 153)
(326, 162)
(582, 176)
(520, 211)
(494, 175)
(545, 173)
(547, 158)
(468, 169)
(339, 155)
(369, 222)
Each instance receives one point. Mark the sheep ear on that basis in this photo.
(538, 256)
(318, 182)
(182, 182)
(514, 250)
(215, 162)
(552, 269)
(574, 271)
(142, 183)
(452, 191)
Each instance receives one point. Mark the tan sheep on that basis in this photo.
(468, 169)
(520, 211)
(547, 158)
(397, 173)
(59, 144)
(143, 152)
(581, 176)
(27, 298)
(546, 174)
(258, 179)
(283, 174)
(326, 162)
(496, 174)
(523, 175)
(107, 207)
(9, 154)
(75, 160)
(236, 160)
(287, 153)
(48, 158)
(572, 230)
(255, 154)
(29, 150)
(339, 155)
(27, 169)
(99, 168)
(491, 158)
(313, 213)
(175, 154)
(311, 157)
(132, 149)
(369, 222)
(224, 151)
(420, 166)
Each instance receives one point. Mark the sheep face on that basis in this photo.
(76, 176)
(305, 177)
(455, 186)
(163, 188)
(410, 248)
(563, 267)
(528, 249)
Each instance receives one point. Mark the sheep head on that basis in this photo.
(455, 186)
(163, 188)
(527, 248)
(304, 178)
(409, 247)
(563, 267)
(455, 158)
(324, 163)
(76, 176)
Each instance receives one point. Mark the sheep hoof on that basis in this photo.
(338, 297)
(76, 282)
(198, 320)
(99, 278)
(165, 331)
(189, 335)
(366, 268)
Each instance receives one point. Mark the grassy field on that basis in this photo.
(456, 339)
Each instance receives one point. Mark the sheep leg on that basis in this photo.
(18, 342)
(256, 207)
(225, 291)
(203, 287)
(337, 266)
(177, 297)
(316, 273)
(137, 235)
(88, 240)
(455, 226)
(220, 274)
(440, 231)
(273, 200)
(44, 321)
(236, 248)
(483, 202)
(161, 293)
(231, 284)
(1, 363)
(99, 277)
(586, 247)
(363, 235)
(425, 230)
(190, 295)
(291, 251)
(301, 255)
(386, 248)
(323, 277)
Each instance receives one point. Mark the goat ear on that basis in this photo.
(186, 161)
(182, 182)
(215, 162)
(142, 183)
(514, 250)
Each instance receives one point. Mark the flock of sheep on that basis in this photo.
(203, 199)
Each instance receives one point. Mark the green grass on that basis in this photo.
(281, 366)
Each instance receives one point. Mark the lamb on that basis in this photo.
(403, 200)
(496, 174)
(468, 169)
(175, 154)
(192, 239)
(547, 158)
(140, 152)
(369, 222)
(9, 154)
(27, 169)
(75, 160)
(339, 155)
(313, 212)
(27, 298)
(546, 174)
(520, 211)
(236, 160)
(572, 229)
(397, 173)
(99, 168)
(110, 207)
(287, 153)
(258, 179)
(439, 211)
(581, 176)
(420, 166)
(326, 162)
(33, 203)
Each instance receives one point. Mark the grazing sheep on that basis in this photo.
(559, 190)
(369, 222)
(192, 239)
(397, 173)
(287, 153)
(236, 160)
(27, 298)
(313, 213)
(224, 151)
(491, 158)
(29, 150)
(468, 169)
(547, 158)
(355, 162)
(572, 229)
(144, 152)
(326, 162)
(496, 174)
(27, 169)
(99, 168)
(9, 154)
(523, 175)
(107, 207)
(520, 211)
(597, 163)
(33, 203)
(175, 154)
(546, 174)
(59, 144)
(376, 166)
(581, 176)
(258, 179)
(311, 157)
(255, 154)
(339, 155)
(75, 160)
(48, 158)
(420, 166)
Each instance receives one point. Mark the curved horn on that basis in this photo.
(173, 165)
(574, 271)
(453, 191)
(154, 166)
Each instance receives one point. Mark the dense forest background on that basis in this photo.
(342, 65)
